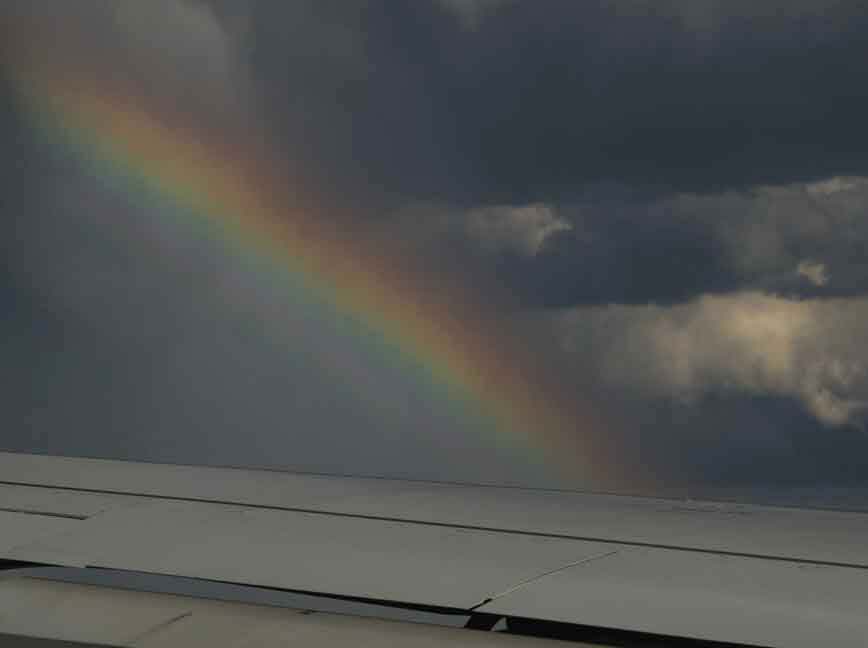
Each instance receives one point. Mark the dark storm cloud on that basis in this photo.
(732, 439)
(468, 103)
(132, 335)
(739, 388)
(580, 154)
(623, 255)
(20, 168)
(537, 101)
(801, 240)
(465, 103)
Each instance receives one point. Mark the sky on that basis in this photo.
(627, 238)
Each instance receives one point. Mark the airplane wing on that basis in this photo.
(551, 563)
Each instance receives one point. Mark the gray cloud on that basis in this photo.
(132, 337)
(398, 108)
(536, 104)
(685, 143)
(179, 50)
(739, 389)
(471, 13)
(704, 157)
(813, 272)
(127, 333)
(812, 351)
(798, 240)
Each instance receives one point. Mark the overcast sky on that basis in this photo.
(669, 196)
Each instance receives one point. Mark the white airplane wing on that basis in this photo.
(549, 562)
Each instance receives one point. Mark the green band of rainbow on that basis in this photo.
(228, 190)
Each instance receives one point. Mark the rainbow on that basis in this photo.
(224, 184)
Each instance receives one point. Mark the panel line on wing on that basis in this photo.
(454, 525)
(67, 516)
(532, 579)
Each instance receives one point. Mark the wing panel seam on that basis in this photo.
(533, 579)
(453, 525)
(22, 511)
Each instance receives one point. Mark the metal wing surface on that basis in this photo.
(747, 575)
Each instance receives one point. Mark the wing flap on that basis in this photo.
(375, 559)
(114, 617)
(19, 529)
(701, 596)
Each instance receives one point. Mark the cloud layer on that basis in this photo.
(535, 104)
(674, 191)
(813, 351)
